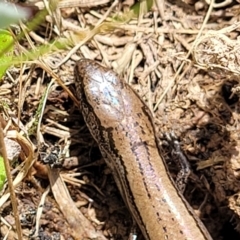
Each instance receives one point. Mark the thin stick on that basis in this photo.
(3, 153)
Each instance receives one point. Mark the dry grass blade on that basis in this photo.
(77, 3)
(80, 225)
(220, 4)
(3, 153)
(215, 50)
(39, 211)
(28, 150)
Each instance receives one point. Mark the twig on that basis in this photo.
(3, 153)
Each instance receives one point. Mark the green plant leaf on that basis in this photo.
(136, 7)
(6, 42)
(2, 173)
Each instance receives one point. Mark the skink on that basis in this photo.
(121, 124)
